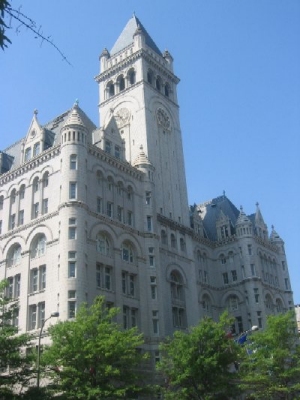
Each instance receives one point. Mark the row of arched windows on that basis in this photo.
(122, 82)
(37, 249)
(157, 82)
(173, 241)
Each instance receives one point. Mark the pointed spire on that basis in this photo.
(126, 37)
(74, 117)
(141, 159)
(242, 218)
(274, 237)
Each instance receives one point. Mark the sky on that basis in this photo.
(239, 94)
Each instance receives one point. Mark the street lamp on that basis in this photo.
(54, 314)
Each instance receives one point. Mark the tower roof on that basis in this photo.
(126, 37)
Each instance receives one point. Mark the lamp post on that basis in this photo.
(55, 315)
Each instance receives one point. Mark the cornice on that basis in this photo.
(115, 162)
(30, 165)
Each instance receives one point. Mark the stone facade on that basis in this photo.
(86, 211)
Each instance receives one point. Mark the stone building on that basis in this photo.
(86, 211)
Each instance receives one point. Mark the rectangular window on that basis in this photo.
(253, 270)
(129, 317)
(225, 278)
(249, 249)
(72, 254)
(43, 277)
(21, 217)
(129, 218)
(107, 146)
(239, 321)
(72, 233)
(72, 294)
(104, 276)
(12, 221)
(153, 287)
(283, 265)
(28, 154)
(99, 205)
(178, 315)
(71, 309)
(36, 149)
(73, 161)
(128, 284)
(120, 214)
(205, 276)
(72, 221)
(234, 275)
(41, 313)
(149, 223)
(17, 285)
(34, 280)
(10, 288)
(109, 209)
(32, 317)
(117, 152)
(155, 322)
(287, 284)
(45, 206)
(148, 198)
(151, 261)
(35, 210)
(243, 272)
(1, 227)
(72, 190)
(72, 269)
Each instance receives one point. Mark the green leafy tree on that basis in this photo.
(15, 363)
(200, 364)
(271, 369)
(92, 358)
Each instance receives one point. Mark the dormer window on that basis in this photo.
(36, 149)
(28, 154)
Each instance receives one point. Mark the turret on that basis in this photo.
(243, 224)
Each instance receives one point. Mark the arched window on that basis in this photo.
(206, 303)
(176, 286)
(129, 193)
(22, 192)
(121, 83)
(13, 196)
(233, 303)
(39, 246)
(110, 89)
(269, 303)
(177, 300)
(103, 246)
(150, 76)
(279, 306)
(164, 237)
(127, 252)
(14, 255)
(173, 241)
(131, 77)
(167, 90)
(182, 244)
(158, 83)
(45, 179)
(35, 185)
(110, 183)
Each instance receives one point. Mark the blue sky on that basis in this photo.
(239, 95)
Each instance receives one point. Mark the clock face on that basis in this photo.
(163, 119)
(122, 117)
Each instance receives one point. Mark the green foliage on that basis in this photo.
(92, 358)
(12, 349)
(4, 5)
(272, 369)
(200, 364)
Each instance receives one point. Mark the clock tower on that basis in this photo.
(138, 103)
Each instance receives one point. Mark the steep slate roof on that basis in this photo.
(126, 37)
(211, 210)
(52, 135)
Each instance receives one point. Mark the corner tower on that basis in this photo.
(138, 95)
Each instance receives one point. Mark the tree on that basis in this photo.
(92, 358)
(271, 369)
(15, 363)
(22, 20)
(199, 364)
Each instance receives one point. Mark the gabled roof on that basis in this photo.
(126, 37)
(212, 210)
